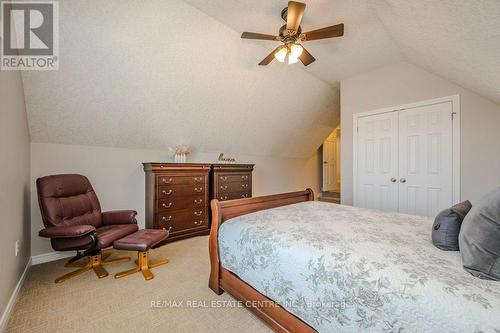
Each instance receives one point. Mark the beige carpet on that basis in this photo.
(89, 304)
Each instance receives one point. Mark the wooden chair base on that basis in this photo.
(143, 265)
(94, 262)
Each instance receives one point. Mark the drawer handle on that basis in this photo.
(196, 201)
(167, 206)
(198, 213)
(223, 177)
(165, 180)
(244, 185)
(198, 179)
(244, 195)
(198, 189)
(167, 193)
(223, 187)
(199, 222)
(169, 228)
(224, 197)
(164, 218)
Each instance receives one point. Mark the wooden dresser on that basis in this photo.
(231, 181)
(177, 198)
(178, 194)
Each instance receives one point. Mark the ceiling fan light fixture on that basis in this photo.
(296, 50)
(281, 54)
(292, 59)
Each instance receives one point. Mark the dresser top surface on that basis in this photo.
(154, 166)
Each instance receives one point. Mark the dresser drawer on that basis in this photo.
(195, 180)
(232, 187)
(176, 215)
(231, 177)
(234, 195)
(169, 191)
(197, 202)
(183, 220)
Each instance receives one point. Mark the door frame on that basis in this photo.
(334, 142)
(455, 107)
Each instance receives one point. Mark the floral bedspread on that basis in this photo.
(348, 269)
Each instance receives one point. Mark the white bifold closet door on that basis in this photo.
(405, 160)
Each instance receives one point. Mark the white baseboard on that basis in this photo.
(8, 309)
(50, 256)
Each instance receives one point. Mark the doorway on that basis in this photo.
(331, 168)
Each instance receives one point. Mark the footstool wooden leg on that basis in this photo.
(143, 265)
(156, 263)
(126, 273)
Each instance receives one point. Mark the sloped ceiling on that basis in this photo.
(365, 45)
(456, 39)
(155, 74)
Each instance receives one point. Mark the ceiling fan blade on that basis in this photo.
(269, 58)
(294, 15)
(253, 35)
(306, 57)
(328, 32)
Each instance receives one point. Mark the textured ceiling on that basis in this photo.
(155, 74)
(364, 46)
(456, 39)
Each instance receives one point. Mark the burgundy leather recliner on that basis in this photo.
(73, 220)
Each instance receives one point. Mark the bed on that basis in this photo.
(306, 266)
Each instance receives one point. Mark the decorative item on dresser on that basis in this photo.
(177, 198)
(178, 194)
(231, 181)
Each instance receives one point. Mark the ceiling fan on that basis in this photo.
(291, 35)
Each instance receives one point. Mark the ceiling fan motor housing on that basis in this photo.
(284, 13)
(284, 32)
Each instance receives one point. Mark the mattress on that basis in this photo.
(348, 269)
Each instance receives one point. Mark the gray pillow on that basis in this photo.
(479, 238)
(447, 224)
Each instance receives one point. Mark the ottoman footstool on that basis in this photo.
(142, 241)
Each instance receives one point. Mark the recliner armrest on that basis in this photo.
(119, 217)
(66, 231)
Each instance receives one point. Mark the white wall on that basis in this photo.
(403, 83)
(118, 178)
(14, 184)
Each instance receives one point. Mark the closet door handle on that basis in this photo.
(393, 180)
(402, 180)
